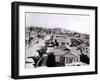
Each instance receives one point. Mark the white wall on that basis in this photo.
(5, 41)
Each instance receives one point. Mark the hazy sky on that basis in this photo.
(78, 23)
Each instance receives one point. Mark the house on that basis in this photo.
(65, 57)
(85, 53)
(85, 50)
(71, 58)
(62, 39)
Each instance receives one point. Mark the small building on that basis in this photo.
(66, 57)
(62, 39)
(85, 54)
(85, 50)
(71, 58)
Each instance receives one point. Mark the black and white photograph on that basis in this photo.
(49, 42)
